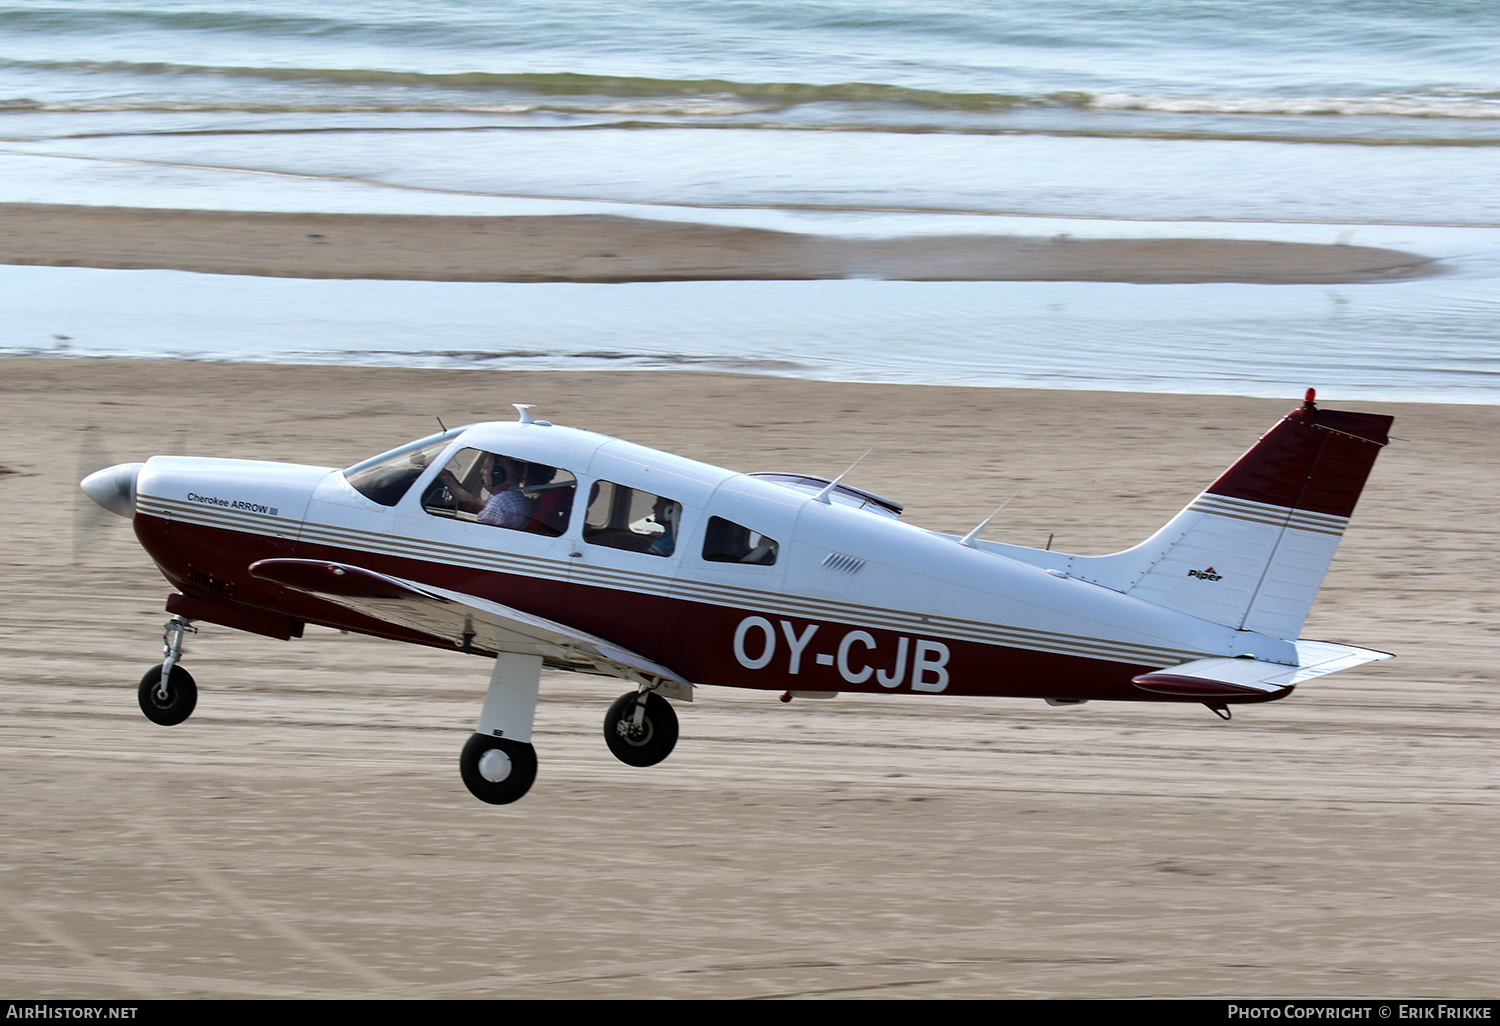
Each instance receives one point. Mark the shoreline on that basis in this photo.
(604, 248)
(729, 371)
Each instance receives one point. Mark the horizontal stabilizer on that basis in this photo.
(1253, 679)
(467, 621)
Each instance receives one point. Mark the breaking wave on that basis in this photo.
(713, 96)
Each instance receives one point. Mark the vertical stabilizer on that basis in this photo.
(1252, 550)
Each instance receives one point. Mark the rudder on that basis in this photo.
(1252, 550)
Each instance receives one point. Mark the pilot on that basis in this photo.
(459, 496)
(508, 505)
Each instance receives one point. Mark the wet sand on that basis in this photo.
(596, 248)
(305, 834)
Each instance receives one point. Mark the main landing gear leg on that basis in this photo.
(168, 693)
(498, 764)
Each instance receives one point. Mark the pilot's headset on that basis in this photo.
(669, 517)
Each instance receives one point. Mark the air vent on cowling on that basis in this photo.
(842, 564)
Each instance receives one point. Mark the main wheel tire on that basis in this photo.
(497, 770)
(178, 705)
(649, 744)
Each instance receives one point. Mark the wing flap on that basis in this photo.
(467, 621)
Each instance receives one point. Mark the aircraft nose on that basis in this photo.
(114, 487)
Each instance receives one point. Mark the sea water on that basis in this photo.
(1349, 121)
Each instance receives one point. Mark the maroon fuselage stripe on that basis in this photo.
(696, 639)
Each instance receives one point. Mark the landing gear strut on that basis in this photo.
(498, 764)
(640, 728)
(168, 693)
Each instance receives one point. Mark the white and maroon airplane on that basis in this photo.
(540, 545)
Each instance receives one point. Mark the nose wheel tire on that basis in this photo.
(497, 770)
(178, 702)
(644, 745)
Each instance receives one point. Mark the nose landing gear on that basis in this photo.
(168, 693)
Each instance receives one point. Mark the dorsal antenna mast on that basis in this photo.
(828, 490)
(968, 539)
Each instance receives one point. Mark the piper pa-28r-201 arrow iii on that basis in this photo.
(539, 545)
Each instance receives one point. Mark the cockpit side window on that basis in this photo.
(501, 491)
(386, 478)
(628, 518)
(724, 541)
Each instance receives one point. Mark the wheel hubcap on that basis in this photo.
(494, 766)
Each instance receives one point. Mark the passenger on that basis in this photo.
(666, 513)
(552, 503)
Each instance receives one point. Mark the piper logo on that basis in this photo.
(1205, 575)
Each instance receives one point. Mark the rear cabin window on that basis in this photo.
(628, 518)
(724, 541)
(500, 491)
(386, 478)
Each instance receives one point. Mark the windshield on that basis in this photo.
(385, 478)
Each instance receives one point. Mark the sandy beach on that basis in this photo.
(306, 834)
(600, 248)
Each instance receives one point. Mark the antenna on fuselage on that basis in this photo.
(524, 409)
(968, 539)
(441, 426)
(827, 491)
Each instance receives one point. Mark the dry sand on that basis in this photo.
(596, 248)
(305, 834)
